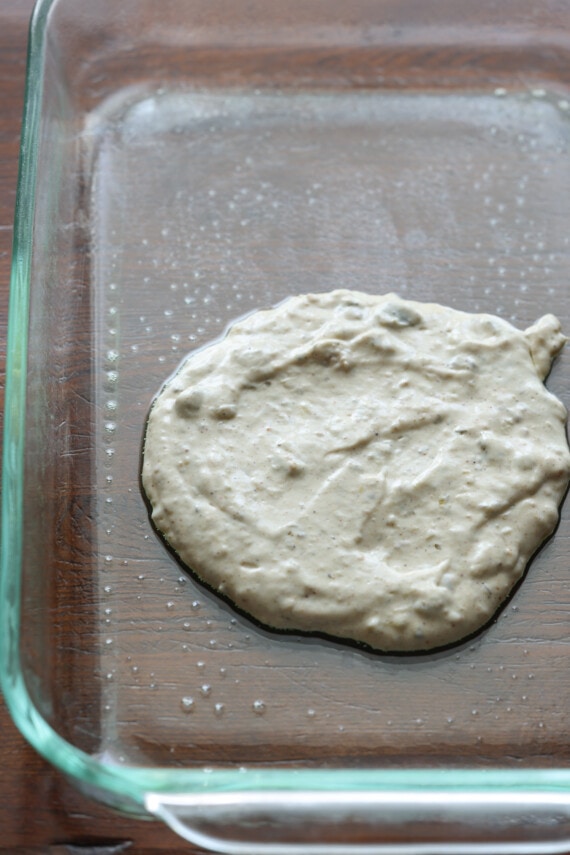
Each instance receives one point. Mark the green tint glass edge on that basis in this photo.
(129, 786)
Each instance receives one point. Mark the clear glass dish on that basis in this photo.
(184, 163)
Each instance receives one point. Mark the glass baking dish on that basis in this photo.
(184, 163)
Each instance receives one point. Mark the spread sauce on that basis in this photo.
(366, 467)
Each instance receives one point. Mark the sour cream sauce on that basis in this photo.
(367, 467)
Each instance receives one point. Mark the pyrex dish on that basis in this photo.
(184, 163)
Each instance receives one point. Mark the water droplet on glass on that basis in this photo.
(111, 378)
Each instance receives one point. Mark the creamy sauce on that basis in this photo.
(366, 467)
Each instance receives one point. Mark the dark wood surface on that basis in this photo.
(39, 811)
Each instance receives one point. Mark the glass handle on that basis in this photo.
(369, 823)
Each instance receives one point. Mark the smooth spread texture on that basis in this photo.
(366, 467)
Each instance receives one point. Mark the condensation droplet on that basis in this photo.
(258, 707)
(187, 704)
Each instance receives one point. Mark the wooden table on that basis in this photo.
(39, 811)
